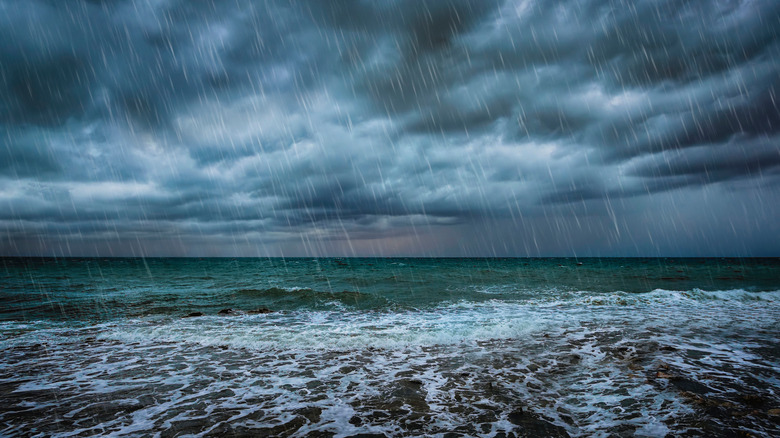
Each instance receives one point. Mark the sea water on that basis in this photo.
(389, 347)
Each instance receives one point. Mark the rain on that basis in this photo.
(416, 128)
(367, 219)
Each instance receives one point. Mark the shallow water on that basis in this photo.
(436, 347)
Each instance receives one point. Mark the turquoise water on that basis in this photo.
(393, 347)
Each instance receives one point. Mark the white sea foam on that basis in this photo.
(295, 288)
(578, 363)
(337, 330)
(734, 295)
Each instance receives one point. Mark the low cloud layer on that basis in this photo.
(172, 127)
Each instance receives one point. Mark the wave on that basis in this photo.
(558, 297)
(455, 322)
(295, 298)
(286, 292)
(740, 295)
(331, 325)
(332, 330)
(685, 296)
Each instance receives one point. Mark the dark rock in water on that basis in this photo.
(193, 314)
(368, 435)
(226, 312)
(261, 310)
(680, 382)
(689, 385)
(754, 400)
(285, 429)
(516, 417)
(311, 413)
(530, 425)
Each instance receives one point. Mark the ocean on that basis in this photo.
(372, 347)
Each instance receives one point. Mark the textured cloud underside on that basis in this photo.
(380, 128)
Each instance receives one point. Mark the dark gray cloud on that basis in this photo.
(501, 127)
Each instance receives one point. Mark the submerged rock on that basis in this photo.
(754, 400)
(285, 429)
(311, 413)
(690, 385)
(531, 425)
(226, 312)
(260, 311)
(516, 417)
(679, 381)
(193, 314)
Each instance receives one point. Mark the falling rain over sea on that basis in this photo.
(389, 218)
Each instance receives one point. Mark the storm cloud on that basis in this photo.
(511, 128)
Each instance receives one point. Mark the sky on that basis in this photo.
(391, 128)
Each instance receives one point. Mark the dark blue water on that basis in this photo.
(394, 347)
(103, 289)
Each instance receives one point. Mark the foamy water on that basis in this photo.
(555, 363)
